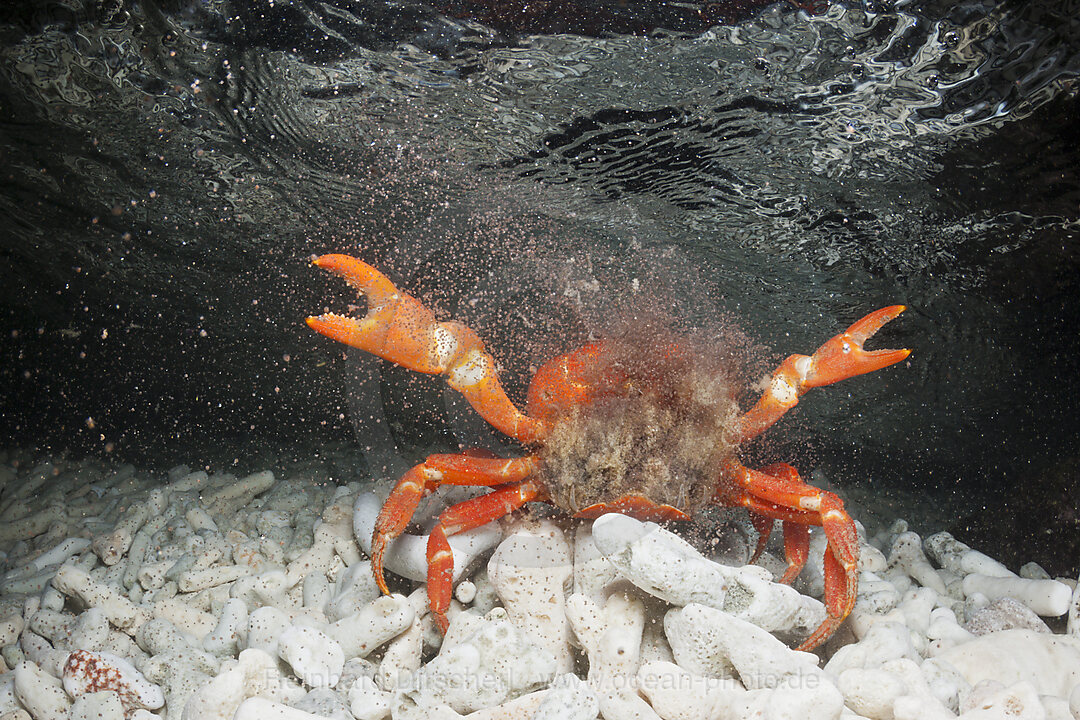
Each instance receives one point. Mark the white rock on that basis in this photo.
(1046, 597)
(494, 664)
(91, 672)
(267, 588)
(945, 683)
(194, 580)
(712, 643)
(10, 627)
(916, 607)
(354, 589)
(253, 673)
(1019, 701)
(219, 698)
(265, 626)
(960, 559)
(151, 576)
(666, 566)
(611, 636)
(16, 714)
(402, 657)
(1033, 571)
(40, 693)
(223, 639)
(593, 573)
(199, 519)
(103, 705)
(8, 701)
(871, 559)
(944, 631)
(530, 569)
(320, 557)
(59, 553)
(378, 622)
(91, 630)
(238, 493)
(907, 553)
(32, 525)
(568, 699)
(121, 612)
(871, 691)
(113, 546)
(258, 708)
(40, 651)
(1056, 708)
(1073, 624)
(919, 702)
(876, 596)
(325, 703)
(367, 701)
(316, 591)
(654, 644)
(161, 638)
(465, 592)
(1051, 663)
(406, 555)
(189, 619)
(884, 641)
(677, 694)
(316, 658)
(1005, 614)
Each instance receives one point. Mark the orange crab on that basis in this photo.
(640, 426)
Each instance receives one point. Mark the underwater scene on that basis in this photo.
(539, 359)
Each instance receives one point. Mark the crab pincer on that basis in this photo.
(843, 356)
(840, 357)
(399, 328)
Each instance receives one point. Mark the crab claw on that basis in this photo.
(398, 328)
(839, 358)
(842, 356)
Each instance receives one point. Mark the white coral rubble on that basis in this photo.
(212, 597)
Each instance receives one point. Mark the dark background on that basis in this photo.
(169, 168)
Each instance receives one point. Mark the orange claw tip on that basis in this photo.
(336, 327)
(357, 273)
(864, 328)
(336, 263)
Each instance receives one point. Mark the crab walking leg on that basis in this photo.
(841, 357)
(762, 523)
(423, 479)
(795, 531)
(796, 537)
(398, 328)
(803, 504)
(464, 516)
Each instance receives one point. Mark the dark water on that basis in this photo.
(168, 169)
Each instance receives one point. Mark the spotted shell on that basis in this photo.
(87, 672)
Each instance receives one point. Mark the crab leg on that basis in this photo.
(423, 479)
(796, 531)
(796, 535)
(796, 503)
(398, 328)
(841, 357)
(464, 516)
